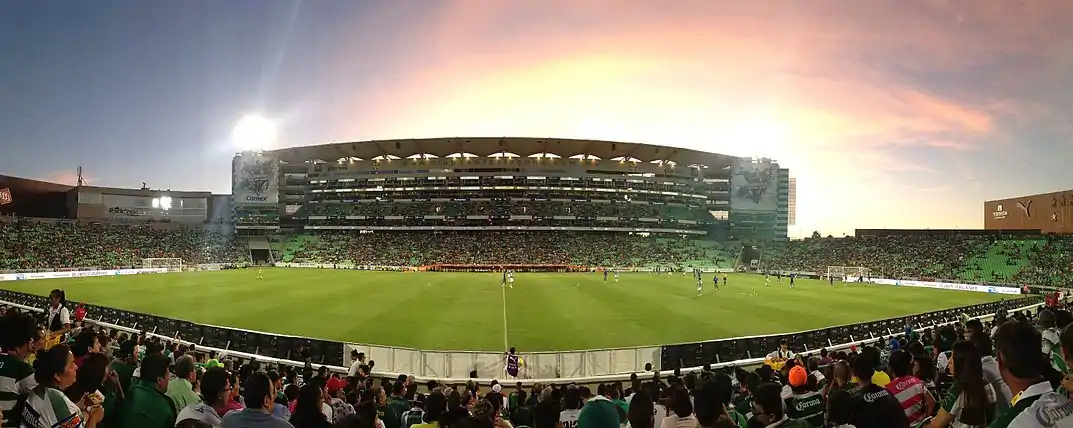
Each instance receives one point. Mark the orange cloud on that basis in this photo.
(831, 88)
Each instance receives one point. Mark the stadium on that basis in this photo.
(415, 237)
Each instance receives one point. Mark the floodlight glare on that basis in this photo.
(253, 132)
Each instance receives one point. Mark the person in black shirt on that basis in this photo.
(873, 406)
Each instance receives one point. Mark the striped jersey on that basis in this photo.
(911, 395)
(50, 408)
(16, 380)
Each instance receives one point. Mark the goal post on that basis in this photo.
(171, 264)
(849, 273)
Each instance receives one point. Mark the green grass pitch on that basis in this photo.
(465, 311)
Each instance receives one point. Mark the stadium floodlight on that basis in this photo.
(253, 132)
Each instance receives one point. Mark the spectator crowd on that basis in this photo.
(497, 248)
(55, 244)
(1037, 261)
(1013, 372)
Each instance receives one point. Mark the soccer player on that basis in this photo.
(260, 273)
(792, 276)
(699, 287)
(778, 277)
(616, 276)
(715, 281)
(724, 279)
(513, 363)
(767, 280)
(504, 283)
(510, 278)
(605, 274)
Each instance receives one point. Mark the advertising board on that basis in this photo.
(255, 179)
(76, 274)
(941, 285)
(1047, 212)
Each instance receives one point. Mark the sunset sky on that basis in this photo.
(890, 113)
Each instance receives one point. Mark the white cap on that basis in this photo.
(496, 388)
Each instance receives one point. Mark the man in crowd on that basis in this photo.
(1034, 403)
(125, 362)
(148, 405)
(259, 395)
(16, 375)
(181, 388)
(215, 386)
(873, 405)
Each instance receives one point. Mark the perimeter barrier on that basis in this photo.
(583, 366)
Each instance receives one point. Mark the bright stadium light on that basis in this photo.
(253, 132)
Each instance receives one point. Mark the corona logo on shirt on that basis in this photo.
(999, 213)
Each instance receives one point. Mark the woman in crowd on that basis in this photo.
(94, 376)
(59, 317)
(47, 406)
(840, 378)
(970, 403)
(308, 411)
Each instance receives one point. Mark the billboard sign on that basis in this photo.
(753, 185)
(255, 179)
(1048, 212)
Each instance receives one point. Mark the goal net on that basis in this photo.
(849, 273)
(172, 265)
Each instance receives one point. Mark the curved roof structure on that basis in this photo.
(486, 146)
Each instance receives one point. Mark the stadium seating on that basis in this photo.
(374, 208)
(497, 248)
(1042, 261)
(41, 244)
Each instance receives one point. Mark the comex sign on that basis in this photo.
(999, 213)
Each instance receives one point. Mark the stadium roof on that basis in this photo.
(523, 147)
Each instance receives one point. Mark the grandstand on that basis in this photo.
(471, 206)
(537, 186)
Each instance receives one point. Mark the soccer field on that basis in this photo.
(471, 311)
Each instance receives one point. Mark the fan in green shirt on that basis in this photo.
(396, 406)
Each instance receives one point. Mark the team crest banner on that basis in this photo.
(255, 179)
(753, 185)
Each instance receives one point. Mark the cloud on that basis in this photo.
(69, 178)
(836, 90)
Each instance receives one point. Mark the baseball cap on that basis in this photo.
(497, 388)
(798, 376)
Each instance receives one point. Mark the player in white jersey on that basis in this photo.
(616, 276)
(260, 273)
(700, 286)
(510, 278)
(767, 280)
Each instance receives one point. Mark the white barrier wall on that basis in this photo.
(941, 285)
(538, 365)
(77, 274)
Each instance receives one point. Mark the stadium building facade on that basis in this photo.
(1047, 212)
(510, 184)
